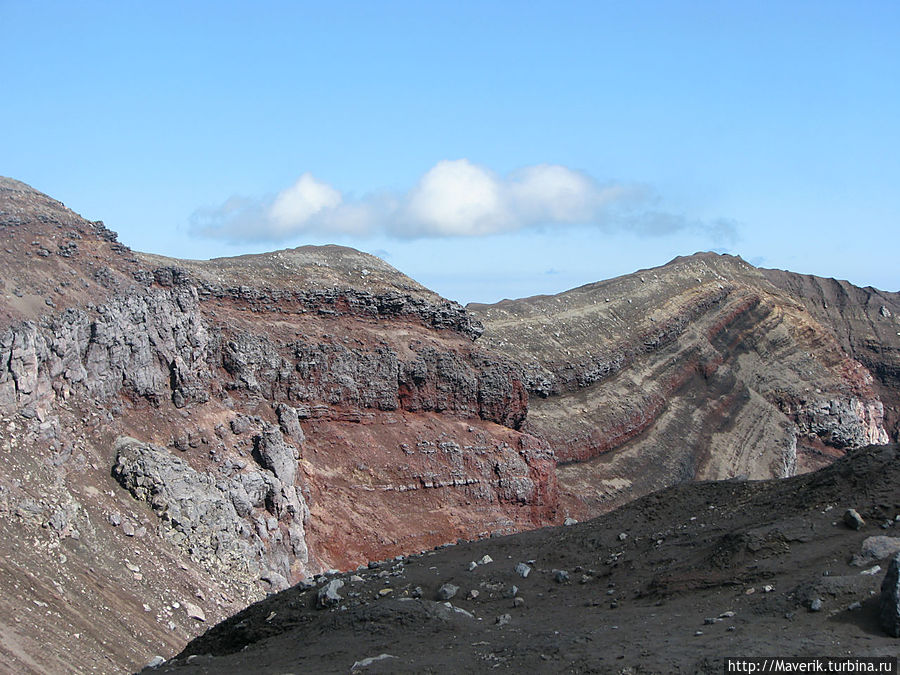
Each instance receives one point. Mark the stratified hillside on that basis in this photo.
(181, 437)
(703, 368)
(864, 321)
(671, 583)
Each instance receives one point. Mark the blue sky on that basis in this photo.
(487, 149)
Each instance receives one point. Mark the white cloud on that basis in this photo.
(295, 207)
(553, 193)
(455, 198)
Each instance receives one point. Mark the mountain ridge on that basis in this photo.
(232, 426)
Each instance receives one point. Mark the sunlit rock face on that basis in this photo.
(230, 427)
(705, 368)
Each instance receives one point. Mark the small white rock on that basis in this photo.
(194, 612)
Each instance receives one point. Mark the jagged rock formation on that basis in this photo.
(864, 321)
(239, 423)
(704, 368)
(224, 525)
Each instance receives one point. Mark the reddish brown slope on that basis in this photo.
(182, 437)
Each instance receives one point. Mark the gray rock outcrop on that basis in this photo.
(214, 521)
(153, 345)
(276, 455)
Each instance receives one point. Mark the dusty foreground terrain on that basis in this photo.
(673, 582)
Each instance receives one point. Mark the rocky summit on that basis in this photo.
(182, 438)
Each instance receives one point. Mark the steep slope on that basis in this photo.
(181, 437)
(865, 323)
(700, 369)
(671, 583)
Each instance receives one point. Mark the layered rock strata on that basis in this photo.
(702, 368)
(228, 427)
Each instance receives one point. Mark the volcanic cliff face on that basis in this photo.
(181, 437)
(705, 368)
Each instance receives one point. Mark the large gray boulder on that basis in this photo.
(328, 595)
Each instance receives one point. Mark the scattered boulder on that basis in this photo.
(561, 576)
(59, 521)
(853, 520)
(447, 591)
(365, 663)
(889, 603)
(874, 549)
(523, 570)
(240, 425)
(328, 594)
(194, 611)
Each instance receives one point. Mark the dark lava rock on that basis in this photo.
(853, 520)
(447, 591)
(889, 605)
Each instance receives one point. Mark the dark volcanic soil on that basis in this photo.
(673, 582)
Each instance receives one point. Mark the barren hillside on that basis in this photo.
(704, 368)
(671, 583)
(180, 438)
